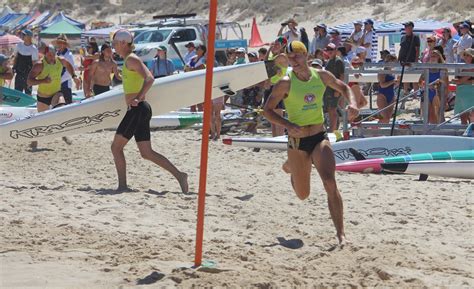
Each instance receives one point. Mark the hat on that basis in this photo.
(282, 40)
(3, 58)
(331, 45)
(123, 35)
(358, 22)
(27, 32)
(432, 37)
(252, 54)
(322, 25)
(469, 51)
(384, 52)
(409, 23)
(103, 47)
(334, 31)
(296, 47)
(465, 25)
(369, 21)
(360, 49)
(162, 48)
(317, 61)
(190, 44)
(62, 38)
(291, 20)
(241, 50)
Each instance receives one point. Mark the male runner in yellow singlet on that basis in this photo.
(302, 92)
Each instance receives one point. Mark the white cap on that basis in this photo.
(123, 35)
(360, 49)
(241, 49)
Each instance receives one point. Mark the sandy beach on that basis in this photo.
(63, 225)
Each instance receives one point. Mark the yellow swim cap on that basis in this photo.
(296, 47)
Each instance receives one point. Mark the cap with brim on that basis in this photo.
(331, 46)
(431, 37)
(3, 58)
(27, 32)
(123, 35)
(464, 25)
(360, 49)
(357, 23)
(469, 51)
(409, 23)
(162, 48)
(322, 25)
(317, 62)
(369, 21)
(252, 54)
(291, 20)
(190, 44)
(240, 50)
(334, 31)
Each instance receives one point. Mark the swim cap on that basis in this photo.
(296, 47)
(282, 40)
(123, 35)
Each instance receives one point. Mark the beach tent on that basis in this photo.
(62, 27)
(28, 20)
(100, 33)
(9, 40)
(62, 17)
(9, 18)
(41, 19)
(427, 26)
(5, 11)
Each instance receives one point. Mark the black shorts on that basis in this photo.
(136, 122)
(266, 95)
(307, 144)
(98, 89)
(44, 100)
(67, 92)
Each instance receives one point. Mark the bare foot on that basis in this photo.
(286, 167)
(123, 189)
(183, 182)
(343, 241)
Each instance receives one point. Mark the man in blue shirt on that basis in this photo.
(161, 66)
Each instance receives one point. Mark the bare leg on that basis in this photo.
(361, 100)
(119, 158)
(217, 119)
(382, 103)
(323, 159)
(332, 111)
(149, 154)
(299, 164)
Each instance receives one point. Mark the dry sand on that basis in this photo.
(63, 226)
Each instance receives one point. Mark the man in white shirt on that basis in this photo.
(26, 54)
(357, 33)
(464, 42)
(191, 52)
(321, 38)
(292, 34)
(62, 45)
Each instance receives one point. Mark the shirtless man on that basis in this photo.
(47, 75)
(101, 70)
(302, 91)
(137, 80)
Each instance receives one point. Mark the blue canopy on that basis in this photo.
(62, 17)
(40, 19)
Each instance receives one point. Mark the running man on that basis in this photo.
(47, 75)
(302, 91)
(101, 70)
(137, 80)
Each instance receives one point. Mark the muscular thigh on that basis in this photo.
(324, 161)
(300, 166)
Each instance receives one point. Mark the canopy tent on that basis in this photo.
(9, 18)
(62, 17)
(427, 26)
(5, 11)
(62, 27)
(100, 33)
(12, 25)
(41, 19)
(26, 21)
(9, 40)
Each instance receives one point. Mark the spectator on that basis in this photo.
(383, 54)
(321, 38)
(62, 43)
(464, 42)
(191, 52)
(349, 50)
(161, 66)
(198, 61)
(26, 54)
(231, 56)
(465, 90)
(357, 33)
(6, 72)
(341, 53)
(361, 52)
(386, 94)
(336, 66)
(240, 53)
(447, 42)
(317, 63)
(262, 52)
(252, 96)
(409, 45)
(319, 54)
(366, 40)
(304, 37)
(292, 34)
(356, 63)
(92, 53)
(433, 92)
(431, 43)
(335, 37)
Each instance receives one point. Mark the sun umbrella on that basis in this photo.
(9, 40)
